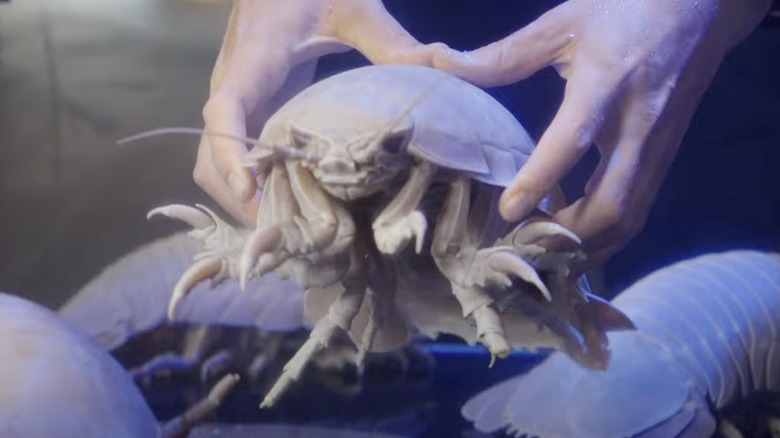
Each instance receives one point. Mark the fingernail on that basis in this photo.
(516, 206)
(464, 55)
(237, 184)
(458, 56)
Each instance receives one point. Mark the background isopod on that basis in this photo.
(708, 337)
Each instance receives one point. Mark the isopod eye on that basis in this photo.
(300, 137)
(393, 143)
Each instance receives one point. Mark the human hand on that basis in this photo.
(635, 72)
(269, 54)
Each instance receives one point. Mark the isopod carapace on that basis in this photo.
(397, 114)
(58, 383)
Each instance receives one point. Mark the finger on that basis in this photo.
(568, 137)
(225, 117)
(225, 51)
(368, 27)
(620, 194)
(554, 202)
(298, 78)
(521, 54)
(209, 180)
(601, 256)
(253, 75)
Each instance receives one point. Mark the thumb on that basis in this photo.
(370, 29)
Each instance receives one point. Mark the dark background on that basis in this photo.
(76, 76)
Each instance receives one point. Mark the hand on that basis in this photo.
(635, 73)
(268, 54)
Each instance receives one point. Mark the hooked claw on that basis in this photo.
(262, 241)
(529, 233)
(525, 240)
(203, 269)
(419, 226)
(202, 218)
(391, 238)
(193, 216)
(505, 261)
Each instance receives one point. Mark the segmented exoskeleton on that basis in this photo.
(708, 335)
(127, 299)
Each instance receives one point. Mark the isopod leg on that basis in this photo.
(381, 296)
(373, 326)
(339, 318)
(455, 258)
(401, 221)
(319, 227)
(181, 426)
(490, 327)
(296, 218)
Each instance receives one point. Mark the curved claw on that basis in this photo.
(391, 238)
(260, 242)
(529, 233)
(192, 216)
(419, 225)
(215, 219)
(509, 263)
(198, 272)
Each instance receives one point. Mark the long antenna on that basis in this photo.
(412, 105)
(395, 122)
(285, 151)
